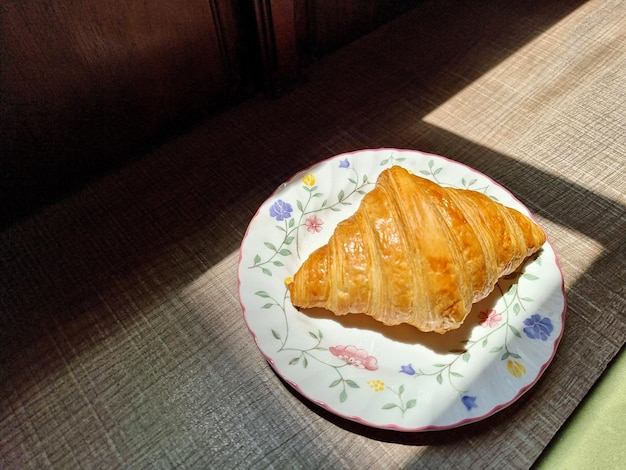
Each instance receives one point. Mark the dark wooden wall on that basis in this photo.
(86, 84)
(82, 82)
(326, 25)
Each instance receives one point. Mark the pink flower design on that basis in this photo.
(354, 356)
(313, 224)
(489, 318)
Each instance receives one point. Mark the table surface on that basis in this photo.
(123, 340)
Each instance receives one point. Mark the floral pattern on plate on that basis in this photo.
(393, 377)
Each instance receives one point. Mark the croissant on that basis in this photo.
(416, 252)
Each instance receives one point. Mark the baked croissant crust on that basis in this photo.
(415, 252)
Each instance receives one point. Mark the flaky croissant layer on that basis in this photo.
(415, 252)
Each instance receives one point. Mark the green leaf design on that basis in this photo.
(515, 331)
(294, 361)
(262, 293)
(275, 334)
(270, 246)
(411, 403)
(389, 406)
(439, 379)
(278, 263)
(334, 383)
(343, 396)
(530, 277)
(285, 252)
(267, 306)
(266, 271)
(352, 384)
(257, 259)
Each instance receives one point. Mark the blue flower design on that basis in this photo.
(469, 402)
(281, 210)
(408, 369)
(345, 163)
(538, 327)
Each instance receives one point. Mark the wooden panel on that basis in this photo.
(293, 33)
(276, 26)
(326, 25)
(83, 81)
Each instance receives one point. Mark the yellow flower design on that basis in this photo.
(376, 385)
(309, 180)
(288, 280)
(516, 368)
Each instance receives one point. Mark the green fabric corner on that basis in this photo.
(595, 436)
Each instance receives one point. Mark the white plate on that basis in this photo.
(392, 377)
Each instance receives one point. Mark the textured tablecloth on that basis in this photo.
(122, 339)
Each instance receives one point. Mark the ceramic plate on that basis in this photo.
(392, 377)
